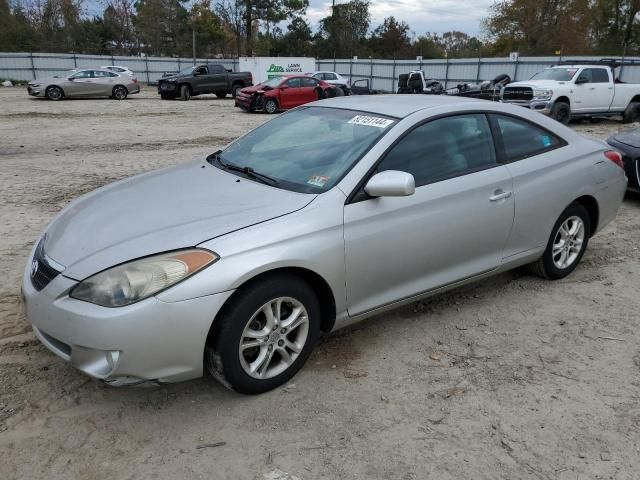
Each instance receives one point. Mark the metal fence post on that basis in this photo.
(334, 63)
(179, 65)
(351, 69)
(515, 70)
(478, 72)
(75, 61)
(33, 67)
(146, 66)
(393, 74)
(371, 72)
(446, 72)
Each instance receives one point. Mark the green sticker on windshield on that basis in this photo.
(317, 180)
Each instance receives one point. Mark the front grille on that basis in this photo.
(518, 94)
(41, 271)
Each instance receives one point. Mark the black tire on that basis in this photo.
(270, 106)
(329, 92)
(546, 267)
(54, 93)
(235, 89)
(185, 92)
(338, 91)
(631, 113)
(561, 112)
(167, 96)
(119, 92)
(222, 353)
(221, 94)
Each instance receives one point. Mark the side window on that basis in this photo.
(111, 74)
(82, 74)
(202, 71)
(443, 148)
(520, 139)
(216, 69)
(309, 82)
(599, 75)
(587, 73)
(293, 83)
(100, 74)
(330, 76)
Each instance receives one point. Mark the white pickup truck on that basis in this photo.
(573, 89)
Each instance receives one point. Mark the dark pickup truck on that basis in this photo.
(200, 79)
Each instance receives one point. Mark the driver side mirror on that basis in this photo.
(284, 86)
(581, 80)
(391, 183)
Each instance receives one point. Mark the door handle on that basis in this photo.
(499, 195)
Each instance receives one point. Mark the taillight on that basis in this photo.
(135, 80)
(615, 157)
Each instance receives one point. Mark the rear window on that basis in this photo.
(521, 139)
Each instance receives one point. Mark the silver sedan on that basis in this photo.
(333, 212)
(91, 82)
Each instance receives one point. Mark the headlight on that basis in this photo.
(34, 84)
(134, 281)
(542, 94)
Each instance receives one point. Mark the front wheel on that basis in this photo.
(185, 93)
(270, 106)
(264, 335)
(631, 113)
(561, 112)
(567, 244)
(54, 93)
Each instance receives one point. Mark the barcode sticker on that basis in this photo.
(371, 121)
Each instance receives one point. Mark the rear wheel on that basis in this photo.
(264, 335)
(119, 92)
(185, 93)
(221, 94)
(270, 106)
(54, 93)
(631, 113)
(568, 242)
(561, 112)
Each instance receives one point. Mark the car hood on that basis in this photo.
(254, 89)
(536, 84)
(164, 210)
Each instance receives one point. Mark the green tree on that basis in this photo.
(162, 27)
(207, 27)
(391, 39)
(344, 32)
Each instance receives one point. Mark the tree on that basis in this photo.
(391, 39)
(162, 26)
(542, 27)
(613, 29)
(232, 14)
(207, 27)
(461, 45)
(343, 33)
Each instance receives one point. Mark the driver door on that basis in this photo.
(80, 84)
(291, 95)
(455, 226)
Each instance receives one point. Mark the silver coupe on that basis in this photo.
(87, 82)
(333, 212)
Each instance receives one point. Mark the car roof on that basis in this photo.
(580, 65)
(393, 105)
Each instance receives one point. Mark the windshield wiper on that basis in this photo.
(248, 171)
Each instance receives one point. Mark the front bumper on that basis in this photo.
(541, 106)
(35, 91)
(151, 340)
(167, 87)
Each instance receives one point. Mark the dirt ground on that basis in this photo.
(512, 378)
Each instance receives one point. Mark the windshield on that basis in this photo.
(186, 71)
(308, 150)
(272, 82)
(557, 74)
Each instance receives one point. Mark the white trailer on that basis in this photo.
(264, 68)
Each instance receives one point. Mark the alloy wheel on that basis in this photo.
(273, 338)
(567, 243)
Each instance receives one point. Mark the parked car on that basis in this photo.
(283, 93)
(574, 89)
(628, 143)
(334, 79)
(91, 82)
(363, 87)
(119, 69)
(202, 79)
(326, 215)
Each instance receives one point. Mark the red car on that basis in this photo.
(282, 93)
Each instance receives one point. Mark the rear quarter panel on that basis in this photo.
(623, 94)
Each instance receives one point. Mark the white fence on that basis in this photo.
(382, 74)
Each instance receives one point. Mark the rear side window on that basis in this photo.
(309, 82)
(599, 75)
(443, 148)
(520, 139)
(293, 83)
(216, 68)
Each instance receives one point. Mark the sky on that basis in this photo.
(437, 16)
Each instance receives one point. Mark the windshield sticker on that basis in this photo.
(317, 180)
(371, 121)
